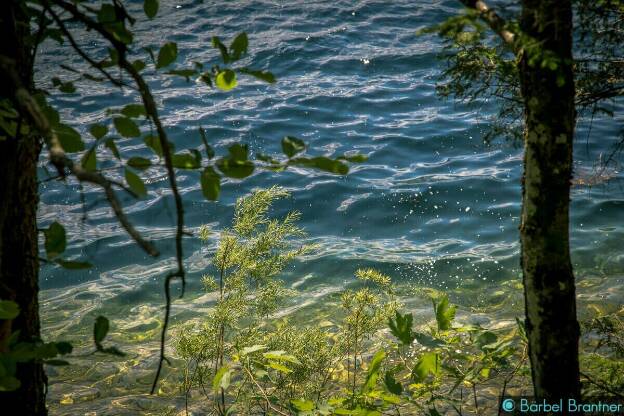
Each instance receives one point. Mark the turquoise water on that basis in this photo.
(433, 205)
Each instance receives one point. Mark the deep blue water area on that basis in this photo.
(433, 204)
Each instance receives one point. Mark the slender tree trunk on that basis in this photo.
(550, 299)
(19, 266)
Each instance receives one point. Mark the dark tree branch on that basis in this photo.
(496, 23)
(29, 108)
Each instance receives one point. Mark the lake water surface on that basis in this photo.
(432, 206)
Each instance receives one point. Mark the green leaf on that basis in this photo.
(221, 379)
(216, 43)
(265, 76)
(120, 32)
(391, 384)
(135, 183)
(322, 163)
(110, 144)
(150, 7)
(139, 65)
(292, 145)
(73, 265)
(89, 161)
(114, 56)
(281, 356)
(226, 80)
(167, 54)
(252, 349)
(112, 351)
(521, 329)
(133, 110)
(185, 161)
(140, 163)
(69, 138)
(55, 240)
(239, 46)
(64, 347)
(8, 309)
(153, 142)
(107, 14)
(356, 158)
(100, 329)
(427, 364)
(427, 340)
(55, 34)
(279, 367)
(486, 338)
(302, 405)
(50, 112)
(445, 313)
(235, 169)
(67, 87)
(239, 152)
(206, 79)
(237, 164)
(373, 371)
(401, 327)
(186, 73)
(267, 159)
(98, 131)
(126, 127)
(9, 383)
(210, 183)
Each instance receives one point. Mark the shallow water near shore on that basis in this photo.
(433, 206)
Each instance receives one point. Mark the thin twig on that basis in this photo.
(602, 386)
(263, 392)
(80, 52)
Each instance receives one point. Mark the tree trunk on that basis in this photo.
(19, 266)
(550, 116)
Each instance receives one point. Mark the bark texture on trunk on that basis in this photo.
(19, 265)
(550, 299)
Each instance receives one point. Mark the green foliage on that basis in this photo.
(100, 330)
(150, 7)
(167, 55)
(15, 351)
(69, 138)
(236, 165)
(401, 328)
(210, 184)
(292, 145)
(481, 67)
(251, 360)
(8, 309)
(444, 313)
(135, 183)
(247, 261)
(126, 127)
(55, 240)
(226, 80)
(138, 162)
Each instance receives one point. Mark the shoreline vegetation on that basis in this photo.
(372, 348)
